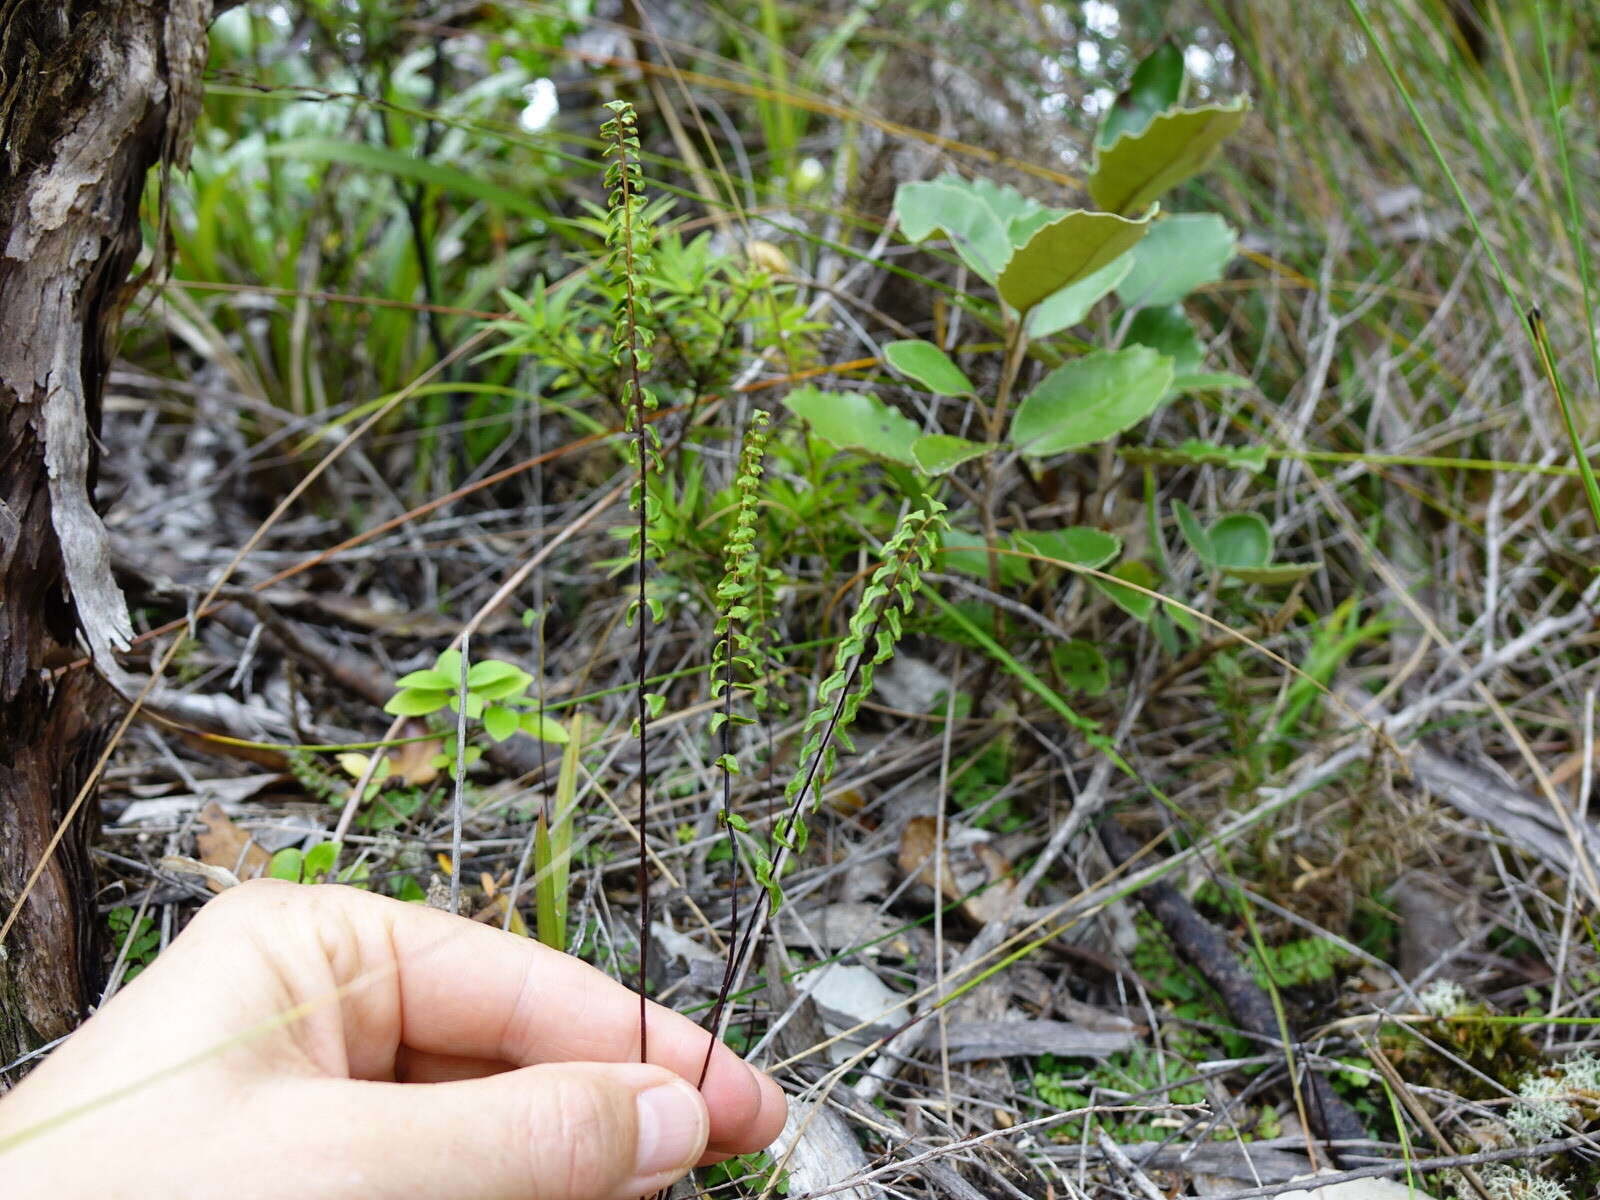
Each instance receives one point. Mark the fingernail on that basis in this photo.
(672, 1129)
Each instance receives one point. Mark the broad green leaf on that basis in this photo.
(1155, 86)
(500, 722)
(1273, 572)
(1082, 666)
(491, 671)
(475, 704)
(505, 680)
(368, 157)
(287, 864)
(968, 553)
(1072, 303)
(925, 363)
(417, 702)
(1068, 249)
(1179, 254)
(1091, 399)
(1240, 540)
(951, 207)
(1020, 214)
(546, 729)
(319, 861)
(1194, 533)
(1137, 169)
(937, 453)
(448, 666)
(1136, 604)
(1168, 330)
(425, 678)
(856, 421)
(1077, 544)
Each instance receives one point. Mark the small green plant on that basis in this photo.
(752, 1174)
(137, 945)
(497, 698)
(315, 865)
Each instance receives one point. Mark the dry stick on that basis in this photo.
(1412, 1105)
(460, 789)
(1208, 951)
(283, 506)
(1090, 800)
(1070, 1114)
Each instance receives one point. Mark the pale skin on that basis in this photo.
(325, 1043)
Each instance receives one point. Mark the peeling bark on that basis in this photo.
(93, 93)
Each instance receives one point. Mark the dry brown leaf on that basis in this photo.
(223, 844)
(414, 763)
(970, 868)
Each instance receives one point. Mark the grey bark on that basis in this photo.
(93, 94)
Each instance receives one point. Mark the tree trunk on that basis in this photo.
(93, 93)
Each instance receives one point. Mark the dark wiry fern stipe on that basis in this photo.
(628, 241)
(875, 627)
(735, 648)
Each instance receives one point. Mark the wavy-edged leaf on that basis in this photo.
(951, 207)
(1180, 253)
(937, 453)
(926, 364)
(856, 421)
(1072, 303)
(1136, 169)
(1091, 399)
(1066, 250)
(1155, 86)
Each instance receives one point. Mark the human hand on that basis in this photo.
(323, 1042)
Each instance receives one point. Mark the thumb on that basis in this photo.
(563, 1131)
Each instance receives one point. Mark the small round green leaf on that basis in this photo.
(416, 702)
(546, 729)
(500, 722)
(1241, 540)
